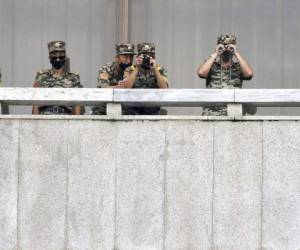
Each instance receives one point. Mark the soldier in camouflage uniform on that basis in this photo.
(112, 73)
(57, 77)
(145, 74)
(225, 68)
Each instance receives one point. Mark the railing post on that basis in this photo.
(113, 109)
(234, 109)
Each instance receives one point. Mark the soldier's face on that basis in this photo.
(57, 54)
(125, 59)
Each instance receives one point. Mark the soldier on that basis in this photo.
(225, 68)
(145, 74)
(57, 77)
(112, 73)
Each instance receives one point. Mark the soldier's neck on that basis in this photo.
(226, 64)
(58, 72)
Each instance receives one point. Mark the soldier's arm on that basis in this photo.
(104, 81)
(204, 68)
(76, 84)
(35, 109)
(130, 77)
(245, 68)
(161, 77)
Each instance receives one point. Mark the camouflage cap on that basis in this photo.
(124, 49)
(226, 39)
(145, 48)
(56, 46)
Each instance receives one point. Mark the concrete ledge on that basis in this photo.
(150, 117)
(58, 96)
(173, 97)
(268, 97)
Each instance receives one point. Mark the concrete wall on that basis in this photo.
(186, 184)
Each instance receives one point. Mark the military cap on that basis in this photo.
(145, 48)
(226, 39)
(56, 46)
(124, 49)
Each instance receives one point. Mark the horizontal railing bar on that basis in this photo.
(150, 97)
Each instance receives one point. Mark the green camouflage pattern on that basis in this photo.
(124, 49)
(226, 39)
(144, 80)
(144, 48)
(108, 75)
(218, 78)
(56, 46)
(47, 79)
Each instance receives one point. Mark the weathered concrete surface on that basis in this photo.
(188, 185)
(9, 136)
(149, 183)
(91, 180)
(237, 185)
(281, 189)
(140, 185)
(43, 165)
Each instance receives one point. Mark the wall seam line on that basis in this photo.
(115, 186)
(66, 238)
(18, 188)
(262, 185)
(213, 189)
(165, 188)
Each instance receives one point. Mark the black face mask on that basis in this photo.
(226, 56)
(124, 66)
(57, 62)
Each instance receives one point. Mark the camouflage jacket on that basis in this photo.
(109, 75)
(146, 79)
(46, 79)
(232, 77)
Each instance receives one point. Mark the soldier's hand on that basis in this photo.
(121, 84)
(220, 49)
(152, 63)
(232, 48)
(139, 60)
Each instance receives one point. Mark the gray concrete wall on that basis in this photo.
(138, 184)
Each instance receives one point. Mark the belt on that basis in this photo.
(55, 110)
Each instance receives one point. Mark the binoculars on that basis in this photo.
(226, 47)
(146, 62)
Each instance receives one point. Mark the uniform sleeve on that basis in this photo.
(37, 80)
(127, 72)
(103, 78)
(163, 72)
(76, 81)
(243, 77)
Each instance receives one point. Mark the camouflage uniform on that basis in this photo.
(220, 78)
(110, 74)
(47, 79)
(145, 79)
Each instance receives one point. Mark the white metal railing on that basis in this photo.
(233, 98)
